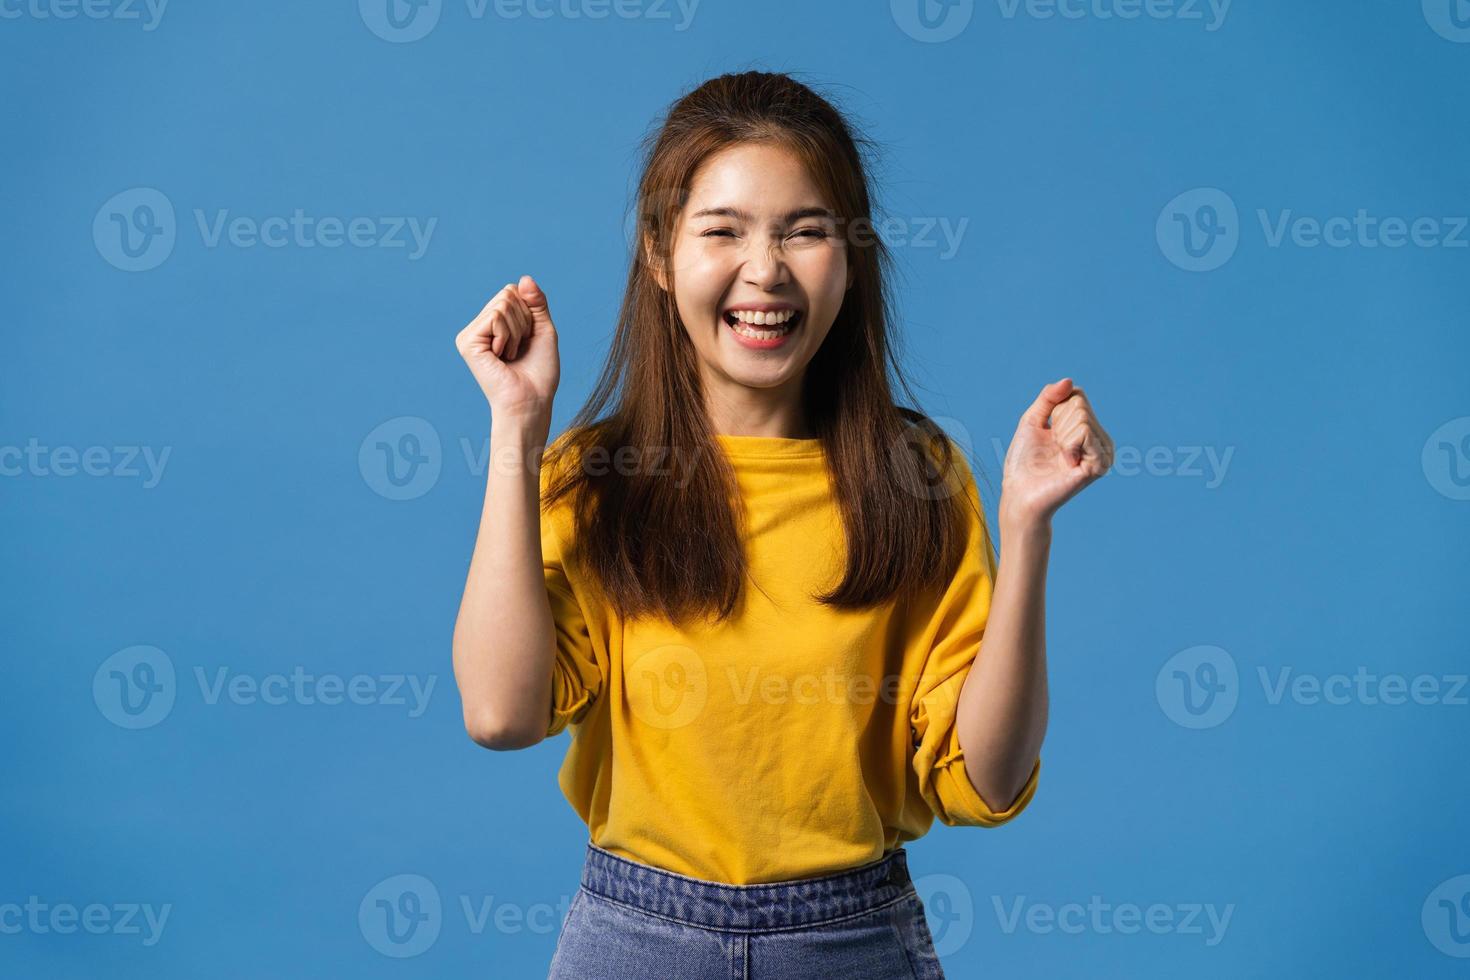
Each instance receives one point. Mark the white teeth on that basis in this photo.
(763, 319)
(762, 335)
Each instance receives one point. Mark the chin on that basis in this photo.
(742, 375)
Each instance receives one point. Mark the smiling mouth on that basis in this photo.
(762, 331)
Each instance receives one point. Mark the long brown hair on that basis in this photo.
(674, 546)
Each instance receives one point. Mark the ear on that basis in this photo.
(653, 264)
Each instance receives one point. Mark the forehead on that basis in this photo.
(761, 178)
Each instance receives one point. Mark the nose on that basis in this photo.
(765, 267)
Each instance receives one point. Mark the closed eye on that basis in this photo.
(725, 232)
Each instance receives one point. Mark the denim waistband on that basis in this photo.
(747, 908)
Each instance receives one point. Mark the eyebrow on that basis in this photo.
(788, 218)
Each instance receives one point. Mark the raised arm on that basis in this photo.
(504, 638)
(1059, 449)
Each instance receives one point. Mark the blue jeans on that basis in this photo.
(631, 921)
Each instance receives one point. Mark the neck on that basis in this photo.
(738, 410)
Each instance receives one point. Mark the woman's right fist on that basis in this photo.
(512, 352)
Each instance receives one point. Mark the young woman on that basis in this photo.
(752, 584)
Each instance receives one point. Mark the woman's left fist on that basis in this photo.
(1047, 465)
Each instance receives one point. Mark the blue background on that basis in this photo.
(1326, 545)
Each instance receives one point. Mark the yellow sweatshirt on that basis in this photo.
(790, 741)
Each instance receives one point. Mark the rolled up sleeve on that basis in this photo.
(577, 676)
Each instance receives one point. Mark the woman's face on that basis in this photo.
(757, 241)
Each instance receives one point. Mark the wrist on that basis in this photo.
(517, 443)
(1024, 527)
(528, 428)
